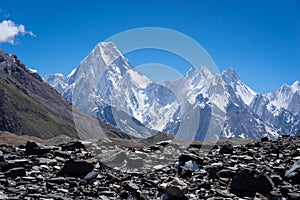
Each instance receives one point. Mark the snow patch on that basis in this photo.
(33, 71)
(245, 93)
(141, 80)
(72, 73)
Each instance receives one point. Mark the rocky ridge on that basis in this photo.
(266, 169)
(29, 106)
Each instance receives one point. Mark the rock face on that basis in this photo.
(256, 170)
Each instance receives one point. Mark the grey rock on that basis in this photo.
(56, 180)
(294, 196)
(15, 172)
(131, 187)
(76, 168)
(248, 180)
(183, 158)
(33, 148)
(226, 149)
(72, 146)
(293, 173)
(177, 188)
(91, 176)
(264, 139)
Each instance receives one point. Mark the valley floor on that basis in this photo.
(231, 169)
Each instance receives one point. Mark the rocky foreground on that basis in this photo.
(261, 170)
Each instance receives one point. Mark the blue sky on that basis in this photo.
(260, 40)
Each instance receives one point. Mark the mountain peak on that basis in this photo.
(229, 76)
(205, 72)
(107, 48)
(190, 72)
(296, 86)
(106, 45)
(195, 75)
(105, 53)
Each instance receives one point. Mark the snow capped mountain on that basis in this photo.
(105, 85)
(287, 97)
(241, 90)
(200, 105)
(280, 108)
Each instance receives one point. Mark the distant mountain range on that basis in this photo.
(29, 106)
(201, 105)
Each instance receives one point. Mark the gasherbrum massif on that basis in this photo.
(205, 105)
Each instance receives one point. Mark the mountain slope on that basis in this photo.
(29, 106)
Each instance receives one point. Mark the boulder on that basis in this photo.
(76, 168)
(33, 148)
(91, 176)
(131, 187)
(226, 149)
(264, 139)
(248, 180)
(183, 158)
(15, 172)
(293, 173)
(177, 188)
(72, 146)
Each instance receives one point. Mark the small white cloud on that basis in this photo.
(31, 33)
(9, 30)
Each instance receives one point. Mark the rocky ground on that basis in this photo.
(71, 170)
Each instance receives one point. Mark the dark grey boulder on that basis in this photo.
(226, 149)
(177, 188)
(72, 146)
(33, 148)
(183, 158)
(264, 139)
(248, 180)
(76, 168)
(15, 172)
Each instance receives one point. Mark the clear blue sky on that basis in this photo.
(259, 39)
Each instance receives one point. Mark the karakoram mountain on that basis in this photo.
(200, 105)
